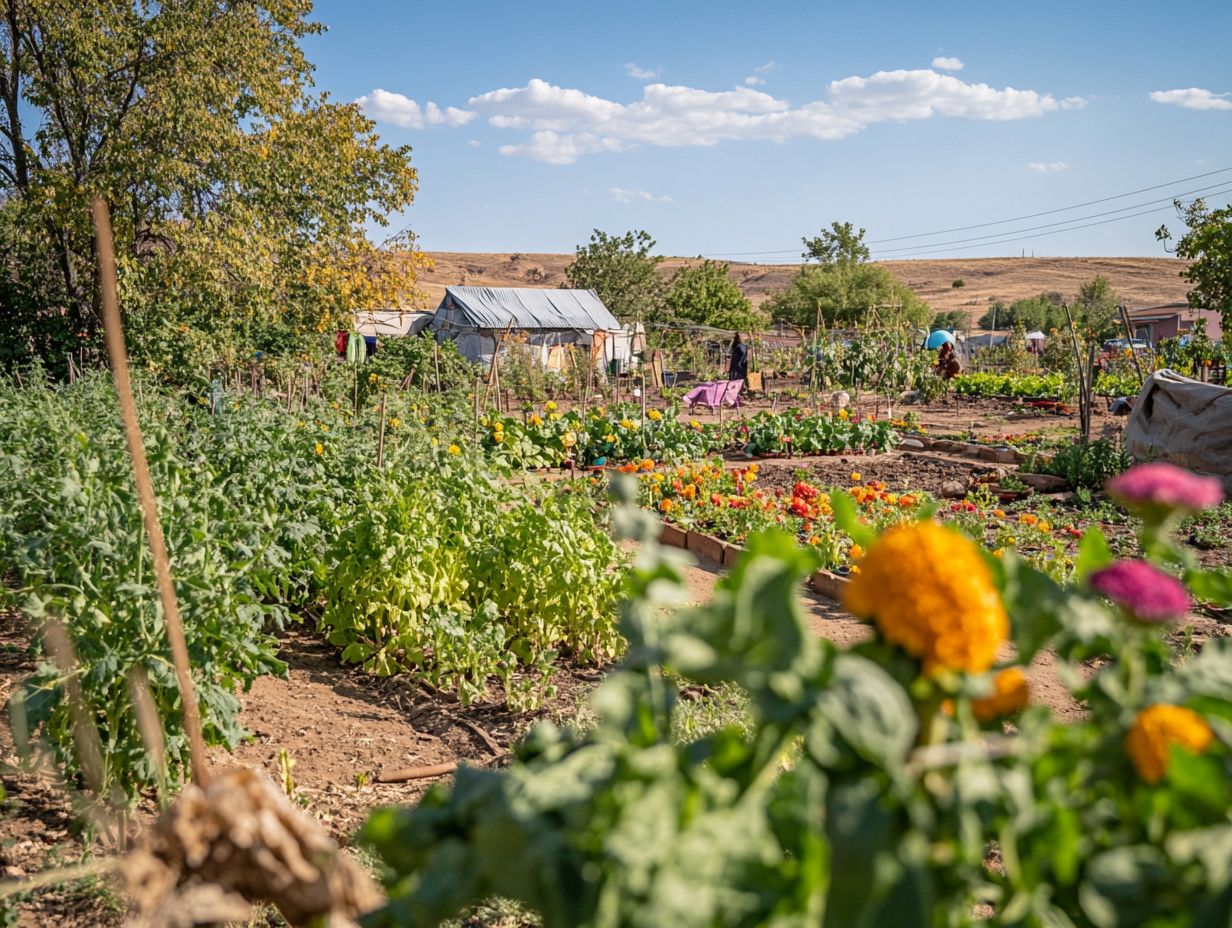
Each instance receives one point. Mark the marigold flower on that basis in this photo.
(1028, 518)
(654, 415)
(856, 477)
(844, 414)
(906, 501)
(666, 505)
(927, 589)
(568, 439)
(454, 449)
(694, 424)
(1156, 729)
(1160, 486)
(498, 437)
(628, 424)
(855, 552)
(550, 406)
(318, 449)
(999, 513)
(609, 437)
(394, 422)
(554, 416)
(536, 420)
(1144, 591)
(1010, 694)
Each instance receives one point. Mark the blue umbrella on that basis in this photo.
(938, 338)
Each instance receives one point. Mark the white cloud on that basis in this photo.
(384, 106)
(637, 72)
(566, 123)
(1193, 98)
(948, 64)
(626, 195)
(1047, 167)
(766, 68)
(473, 143)
(754, 81)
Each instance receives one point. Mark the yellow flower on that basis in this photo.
(609, 437)
(568, 439)
(927, 589)
(1010, 694)
(299, 424)
(318, 448)
(454, 449)
(856, 477)
(654, 415)
(373, 378)
(553, 416)
(1156, 729)
(657, 477)
(536, 420)
(844, 414)
(549, 406)
(628, 424)
(394, 422)
(694, 424)
(324, 427)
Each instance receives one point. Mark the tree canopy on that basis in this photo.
(1041, 312)
(623, 271)
(1208, 246)
(706, 294)
(847, 294)
(239, 196)
(839, 244)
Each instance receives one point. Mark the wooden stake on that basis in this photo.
(416, 773)
(380, 442)
(114, 332)
(436, 363)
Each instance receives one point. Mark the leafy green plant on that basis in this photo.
(1084, 464)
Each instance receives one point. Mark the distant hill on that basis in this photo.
(1139, 281)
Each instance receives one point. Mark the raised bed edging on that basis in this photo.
(823, 582)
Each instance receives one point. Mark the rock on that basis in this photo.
(1007, 456)
(953, 489)
(840, 400)
(1043, 483)
(985, 453)
(911, 444)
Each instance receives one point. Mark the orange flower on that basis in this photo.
(999, 513)
(1156, 729)
(689, 492)
(647, 464)
(666, 505)
(1010, 694)
(855, 552)
(1028, 518)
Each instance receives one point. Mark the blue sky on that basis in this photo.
(733, 129)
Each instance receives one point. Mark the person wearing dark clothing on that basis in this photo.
(739, 367)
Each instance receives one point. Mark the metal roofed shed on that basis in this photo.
(478, 317)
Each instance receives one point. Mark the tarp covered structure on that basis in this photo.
(477, 318)
(385, 323)
(1184, 422)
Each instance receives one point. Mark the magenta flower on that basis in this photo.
(1142, 590)
(1164, 486)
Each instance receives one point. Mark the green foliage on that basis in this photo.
(239, 196)
(1208, 246)
(839, 244)
(844, 797)
(706, 294)
(953, 321)
(1042, 312)
(846, 293)
(1096, 310)
(1012, 385)
(1085, 464)
(400, 358)
(770, 433)
(623, 271)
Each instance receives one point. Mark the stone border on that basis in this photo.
(823, 582)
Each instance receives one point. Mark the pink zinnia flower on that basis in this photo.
(1142, 590)
(1160, 485)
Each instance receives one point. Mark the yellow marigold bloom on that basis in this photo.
(498, 437)
(435, 441)
(1044, 527)
(694, 424)
(928, 591)
(856, 477)
(654, 415)
(549, 406)
(628, 424)
(553, 416)
(1010, 693)
(1156, 729)
(844, 414)
(1028, 518)
(536, 420)
(318, 448)
(394, 422)
(454, 449)
(657, 478)
(609, 437)
(568, 439)
(324, 427)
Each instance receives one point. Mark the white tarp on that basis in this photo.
(1185, 422)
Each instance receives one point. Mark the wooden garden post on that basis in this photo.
(380, 442)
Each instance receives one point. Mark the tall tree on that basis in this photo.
(839, 244)
(706, 294)
(623, 271)
(1096, 309)
(239, 196)
(1208, 246)
(847, 295)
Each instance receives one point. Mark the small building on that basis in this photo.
(478, 318)
(1155, 323)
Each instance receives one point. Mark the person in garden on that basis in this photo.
(738, 369)
(947, 364)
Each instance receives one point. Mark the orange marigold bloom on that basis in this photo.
(999, 513)
(855, 552)
(907, 500)
(648, 464)
(1156, 729)
(666, 505)
(1010, 693)
(690, 491)
(1028, 518)
(927, 589)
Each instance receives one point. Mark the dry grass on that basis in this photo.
(1139, 281)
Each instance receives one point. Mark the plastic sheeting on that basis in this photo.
(495, 308)
(1185, 422)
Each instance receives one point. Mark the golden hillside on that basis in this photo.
(1139, 281)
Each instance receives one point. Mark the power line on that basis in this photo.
(996, 222)
(1020, 238)
(1064, 222)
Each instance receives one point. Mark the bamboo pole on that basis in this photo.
(114, 333)
(1129, 337)
(380, 442)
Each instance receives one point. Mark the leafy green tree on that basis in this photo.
(840, 244)
(950, 321)
(1208, 246)
(705, 293)
(1040, 312)
(1096, 309)
(622, 270)
(239, 196)
(847, 294)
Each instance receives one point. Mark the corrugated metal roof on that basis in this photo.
(524, 308)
